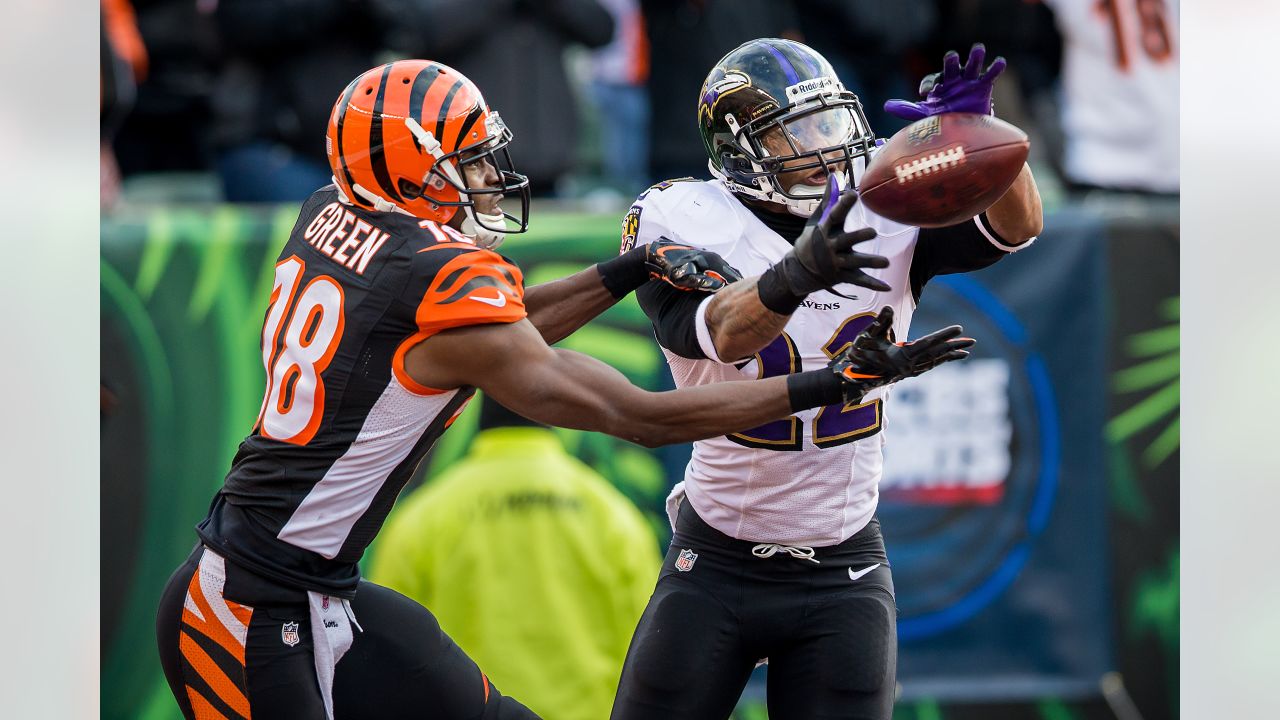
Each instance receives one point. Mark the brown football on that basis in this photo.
(944, 169)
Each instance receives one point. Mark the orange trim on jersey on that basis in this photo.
(209, 671)
(317, 412)
(397, 367)
(458, 413)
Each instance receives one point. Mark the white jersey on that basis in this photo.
(810, 480)
(1120, 76)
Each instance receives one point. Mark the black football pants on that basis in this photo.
(828, 629)
(402, 665)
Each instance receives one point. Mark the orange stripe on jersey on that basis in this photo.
(243, 613)
(201, 707)
(214, 675)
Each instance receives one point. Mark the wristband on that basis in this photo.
(775, 294)
(814, 388)
(624, 273)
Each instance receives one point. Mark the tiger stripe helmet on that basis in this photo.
(400, 135)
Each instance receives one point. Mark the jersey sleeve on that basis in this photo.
(675, 317)
(673, 312)
(643, 223)
(459, 285)
(970, 245)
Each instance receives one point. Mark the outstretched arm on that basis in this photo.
(739, 323)
(511, 363)
(1017, 216)
(560, 307)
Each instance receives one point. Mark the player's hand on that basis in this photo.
(873, 359)
(688, 268)
(955, 89)
(823, 255)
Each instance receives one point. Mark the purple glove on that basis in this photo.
(955, 89)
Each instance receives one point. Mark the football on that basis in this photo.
(944, 169)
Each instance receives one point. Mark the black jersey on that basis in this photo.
(342, 425)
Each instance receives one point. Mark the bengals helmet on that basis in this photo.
(400, 136)
(785, 89)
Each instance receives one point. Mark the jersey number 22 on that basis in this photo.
(834, 424)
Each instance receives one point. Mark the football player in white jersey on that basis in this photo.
(777, 553)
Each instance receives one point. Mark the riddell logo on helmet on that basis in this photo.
(811, 87)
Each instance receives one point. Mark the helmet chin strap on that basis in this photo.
(380, 204)
(485, 237)
(812, 195)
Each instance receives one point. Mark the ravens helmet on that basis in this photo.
(775, 107)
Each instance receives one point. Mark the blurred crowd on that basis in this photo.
(229, 98)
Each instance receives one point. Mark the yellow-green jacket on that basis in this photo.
(533, 563)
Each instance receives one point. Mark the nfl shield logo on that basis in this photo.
(684, 563)
(289, 634)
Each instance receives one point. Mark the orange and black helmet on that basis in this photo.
(400, 136)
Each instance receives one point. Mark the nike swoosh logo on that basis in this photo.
(499, 301)
(855, 575)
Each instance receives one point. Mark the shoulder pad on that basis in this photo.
(460, 284)
(700, 213)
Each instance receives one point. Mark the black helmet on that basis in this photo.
(779, 85)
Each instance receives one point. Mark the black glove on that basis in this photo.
(688, 268)
(682, 266)
(873, 359)
(823, 256)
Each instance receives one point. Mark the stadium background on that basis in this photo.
(182, 285)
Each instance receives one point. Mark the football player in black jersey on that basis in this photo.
(389, 308)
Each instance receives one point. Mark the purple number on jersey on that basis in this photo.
(834, 424)
(838, 424)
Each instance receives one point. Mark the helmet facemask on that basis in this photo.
(823, 134)
(449, 176)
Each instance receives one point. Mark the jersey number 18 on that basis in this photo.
(294, 401)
